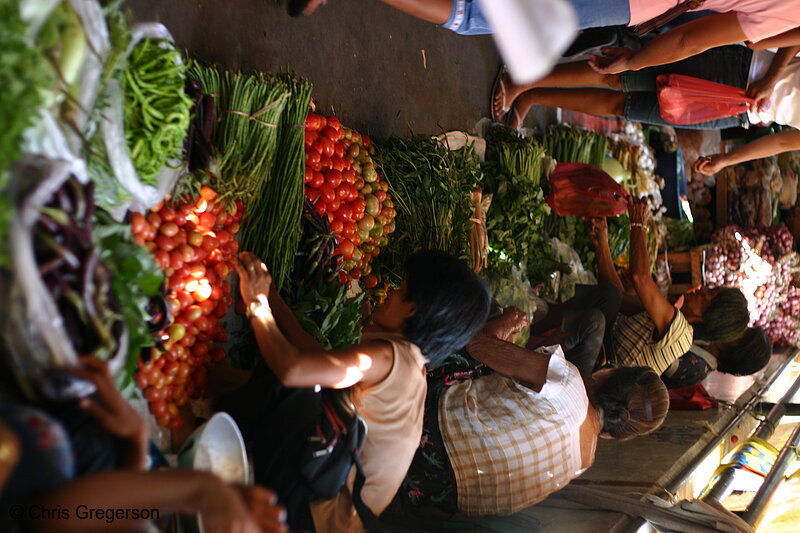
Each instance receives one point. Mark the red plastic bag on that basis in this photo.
(578, 189)
(687, 100)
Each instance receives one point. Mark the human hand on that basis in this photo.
(760, 91)
(506, 326)
(613, 61)
(638, 210)
(108, 406)
(254, 278)
(223, 510)
(264, 508)
(710, 164)
(597, 228)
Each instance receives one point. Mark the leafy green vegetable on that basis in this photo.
(431, 188)
(328, 314)
(136, 279)
(24, 73)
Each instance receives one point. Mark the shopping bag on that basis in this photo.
(578, 189)
(687, 100)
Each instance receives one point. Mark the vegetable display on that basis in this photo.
(273, 230)
(341, 182)
(245, 137)
(431, 189)
(193, 243)
(156, 107)
(761, 263)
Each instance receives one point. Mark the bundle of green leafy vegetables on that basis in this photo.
(431, 188)
(513, 174)
(136, 279)
(24, 75)
(327, 313)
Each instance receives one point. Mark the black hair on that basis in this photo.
(725, 318)
(451, 304)
(634, 401)
(747, 355)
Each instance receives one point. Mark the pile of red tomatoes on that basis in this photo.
(193, 243)
(342, 182)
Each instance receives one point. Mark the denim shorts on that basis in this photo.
(467, 18)
(726, 64)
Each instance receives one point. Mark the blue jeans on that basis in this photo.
(467, 18)
(726, 64)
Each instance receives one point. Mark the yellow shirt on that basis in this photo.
(635, 344)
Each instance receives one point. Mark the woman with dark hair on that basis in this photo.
(507, 426)
(742, 357)
(438, 307)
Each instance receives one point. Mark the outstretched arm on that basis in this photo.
(606, 271)
(764, 147)
(787, 38)
(679, 43)
(661, 312)
(307, 364)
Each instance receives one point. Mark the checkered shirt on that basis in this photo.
(634, 344)
(510, 446)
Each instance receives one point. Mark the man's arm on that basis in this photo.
(606, 271)
(661, 312)
(526, 366)
(679, 43)
(764, 147)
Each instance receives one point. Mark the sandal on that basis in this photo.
(500, 85)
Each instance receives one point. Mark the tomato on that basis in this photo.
(356, 238)
(333, 206)
(309, 175)
(349, 227)
(345, 212)
(197, 271)
(193, 312)
(165, 243)
(207, 307)
(355, 273)
(342, 191)
(154, 219)
(334, 122)
(349, 176)
(371, 281)
(315, 122)
(209, 243)
(327, 147)
(222, 270)
(342, 277)
(175, 259)
(311, 136)
(137, 223)
(327, 193)
(346, 248)
(337, 225)
(312, 194)
(338, 152)
(320, 207)
(319, 147)
(380, 194)
(207, 193)
(162, 258)
(359, 205)
(312, 154)
(366, 141)
(333, 178)
(331, 133)
(158, 408)
(207, 220)
(202, 293)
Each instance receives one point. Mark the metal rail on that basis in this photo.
(773, 479)
(632, 524)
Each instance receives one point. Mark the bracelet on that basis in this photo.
(639, 225)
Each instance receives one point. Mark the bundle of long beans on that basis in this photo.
(431, 188)
(249, 107)
(274, 228)
(570, 144)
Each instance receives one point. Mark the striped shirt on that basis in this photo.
(635, 345)
(509, 446)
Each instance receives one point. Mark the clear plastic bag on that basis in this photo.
(688, 100)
